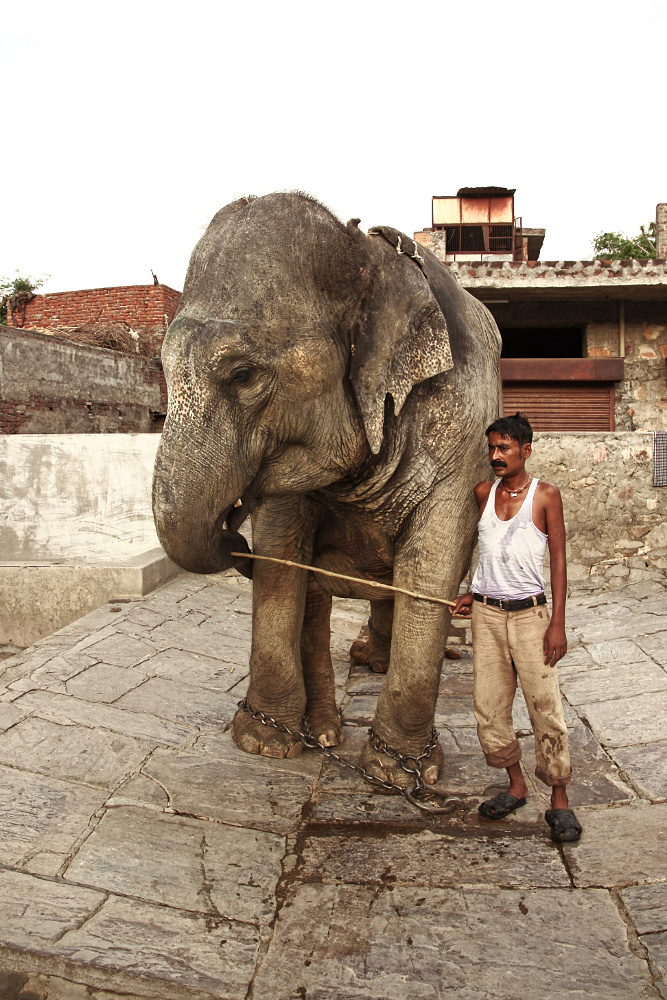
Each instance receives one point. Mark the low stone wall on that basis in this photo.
(615, 518)
(52, 386)
(76, 528)
(76, 497)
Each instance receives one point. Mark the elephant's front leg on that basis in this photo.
(276, 685)
(406, 704)
(318, 673)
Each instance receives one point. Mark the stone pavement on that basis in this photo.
(143, 855)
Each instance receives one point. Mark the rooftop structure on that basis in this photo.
(479, 224)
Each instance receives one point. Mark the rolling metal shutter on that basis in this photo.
(562, 406)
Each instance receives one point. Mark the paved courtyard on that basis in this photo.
(143, 855)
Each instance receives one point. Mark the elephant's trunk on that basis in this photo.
(190, 517)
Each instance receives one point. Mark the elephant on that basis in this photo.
(333, 386)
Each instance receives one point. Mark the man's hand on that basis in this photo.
(463, 605)
(554, 644)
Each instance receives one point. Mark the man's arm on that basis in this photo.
(555, 643)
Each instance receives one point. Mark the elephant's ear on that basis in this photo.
(402, 336)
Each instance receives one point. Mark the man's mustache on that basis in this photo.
(499, 465)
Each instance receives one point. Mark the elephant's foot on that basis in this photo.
(380, 765)
(359, 652)
(253, 736)
(326, 725)
(371, 652)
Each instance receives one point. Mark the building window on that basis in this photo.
(479, 238)
(541, 342)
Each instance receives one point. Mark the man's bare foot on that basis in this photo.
(559, 798)
(518, 787)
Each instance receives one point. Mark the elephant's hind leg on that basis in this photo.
(318, 674)
(379, 641)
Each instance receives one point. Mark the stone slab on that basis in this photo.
(247, 791)
(621, 651)
(576, 660)
(647, 907)
(39, 813)
(404, 943)
(620, 846)
(74, 711)
(182, 635)
(180, 702)
(195, 668)
(212, 868)
(646, 766)
(121, 650)
(123, 944)
(74, 753)
(27, 986)
(10, 715)
(436, 860)
(655, 645)
(55, 673)
(656, 945)
(628, 721)
(103, 682)
(221, 746)
(454, 713)
(628, 626)
(618, 681)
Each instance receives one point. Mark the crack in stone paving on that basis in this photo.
(636, 945)
(84, 920)
(93, 824)
(206, 884)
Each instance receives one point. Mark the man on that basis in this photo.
(512, 632)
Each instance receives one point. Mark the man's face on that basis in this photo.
(505, 455)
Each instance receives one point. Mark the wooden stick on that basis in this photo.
(342, 576)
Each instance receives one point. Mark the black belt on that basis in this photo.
(495, 602)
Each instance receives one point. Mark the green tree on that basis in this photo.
(16, 293)
(618, 246)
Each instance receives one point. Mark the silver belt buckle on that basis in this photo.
(504, 605)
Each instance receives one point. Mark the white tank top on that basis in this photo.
(511, 553)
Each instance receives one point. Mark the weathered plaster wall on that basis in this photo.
(76, 528)
(615, 518)
(76, 497)
(52, 386)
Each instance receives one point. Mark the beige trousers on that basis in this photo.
(506, 644)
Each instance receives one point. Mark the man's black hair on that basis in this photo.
(515, 427)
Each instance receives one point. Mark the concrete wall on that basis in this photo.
(53, 386)
(76, 497)
(76, 528)
(615, 518)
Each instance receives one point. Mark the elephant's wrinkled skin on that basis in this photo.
(341, 389)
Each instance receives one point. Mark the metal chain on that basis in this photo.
(412, 764)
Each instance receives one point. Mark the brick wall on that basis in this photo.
(135, 305)
(49, 385)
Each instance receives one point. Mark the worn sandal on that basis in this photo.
(500, 805)
(564, 825)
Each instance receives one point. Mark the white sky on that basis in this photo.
(127, 125)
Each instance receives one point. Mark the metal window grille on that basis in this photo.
(483, 238)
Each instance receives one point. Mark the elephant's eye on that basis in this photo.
(243, 374)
